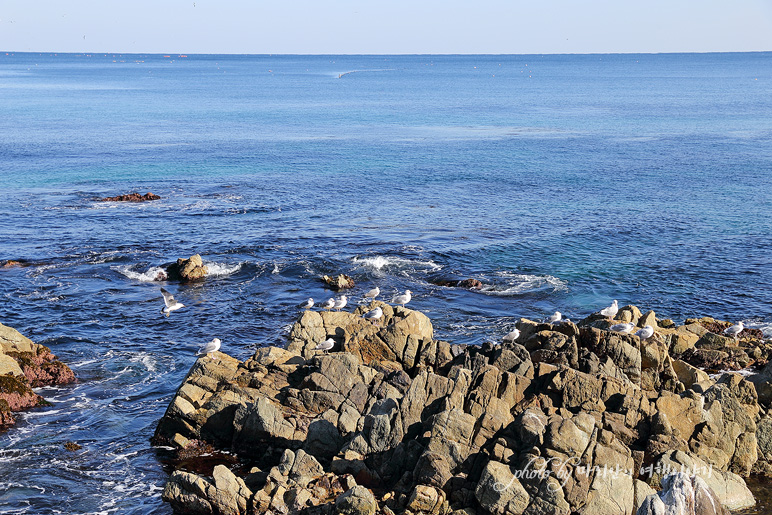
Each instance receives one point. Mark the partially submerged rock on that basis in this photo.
(131, 197)
(339, 282)
(24, 365)
(191, 269)
(566, 419)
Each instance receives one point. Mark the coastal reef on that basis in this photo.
(131, 197)
(25, 365)
(186, 270)
(567, 418)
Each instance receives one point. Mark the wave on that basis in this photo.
(158, 273)
(515, 284)
(221, 269)
(379, 263)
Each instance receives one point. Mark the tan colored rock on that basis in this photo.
(688, 374)
(499, 491)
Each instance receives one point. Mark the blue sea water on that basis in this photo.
(560, 182)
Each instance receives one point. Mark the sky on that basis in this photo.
(381, 27)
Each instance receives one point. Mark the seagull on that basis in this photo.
(169, 303)
(511, 336)
(326, 345)
(734, 330)
(329, 304)
(374, 314)
(557, 317)
(341, 302)
(645, 333)
(622, 328)
(307, 304)
(610, 311)
(210, 348)
(403, 299)
(373, 293)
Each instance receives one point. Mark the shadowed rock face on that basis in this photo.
(25, 365)
(394, 421)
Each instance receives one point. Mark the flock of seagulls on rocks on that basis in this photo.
(374, 315)
(610, 312)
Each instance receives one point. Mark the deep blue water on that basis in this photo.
(562, 182)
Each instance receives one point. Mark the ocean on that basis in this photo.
(561, 182)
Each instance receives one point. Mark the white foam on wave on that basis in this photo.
(149, 275)
(515, 284)
(219, 269)
(158, 273)
(378, 263)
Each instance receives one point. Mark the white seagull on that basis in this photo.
(734, 330)
(210, 348)
(326, 345)
(329, 304)
(341, 302)
(169, 303)
(645, 333)
(622, 328)
(307, 304)
(511, 336)
(403, 299)
(610, 311)
(373, 293)
(557, 317)
(374, 314)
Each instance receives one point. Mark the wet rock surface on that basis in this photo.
(568, 418)
(25, 365)
(131, 197)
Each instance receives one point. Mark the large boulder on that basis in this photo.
(191, 269)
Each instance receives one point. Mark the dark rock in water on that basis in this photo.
(24, 365)
(398, 422)
(340, 282)
(131, 197)
(72, 446)
(471, 284)
(14, 263)
(191, 269)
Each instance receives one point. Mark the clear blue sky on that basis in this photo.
(384, 27)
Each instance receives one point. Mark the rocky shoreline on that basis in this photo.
(25, 365)
(568, 418)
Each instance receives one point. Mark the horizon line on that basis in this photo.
(402, 54)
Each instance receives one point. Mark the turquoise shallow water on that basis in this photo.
(561, 182)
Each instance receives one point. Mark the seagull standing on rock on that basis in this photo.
(645, 333)
(555, 318)
(511, 336)
(610, 311)
(307, 304)
(329, 304)
(372, 293)
(374, 315)
(403, 299)
(210, 348)
(169, 303)
(326, 345)
(341, 302)
(734, 330)
(623, 328)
